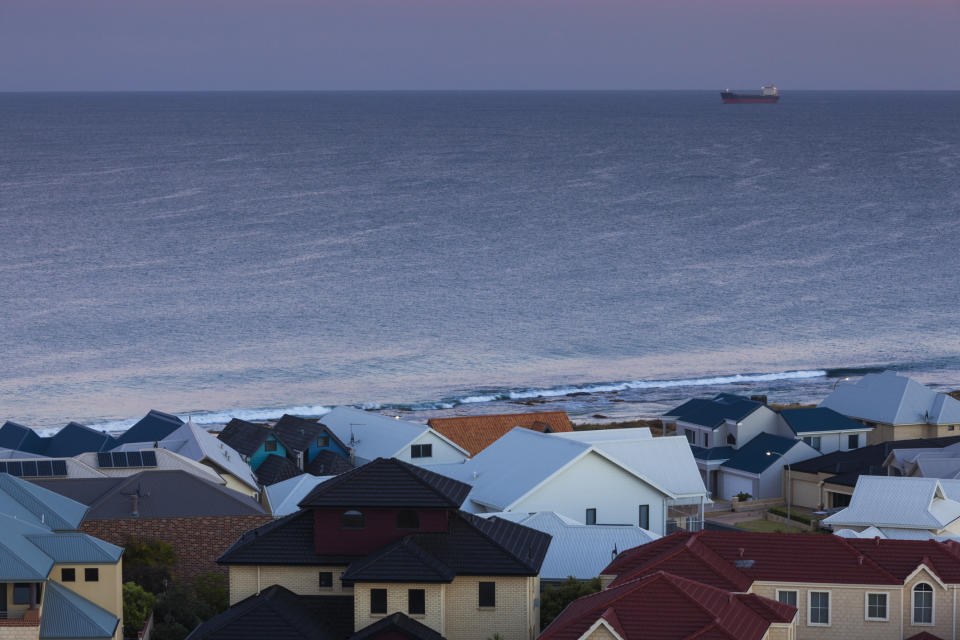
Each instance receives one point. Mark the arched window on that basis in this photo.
(923, 604)
(408, 519)
(731, 440)
(352, 519)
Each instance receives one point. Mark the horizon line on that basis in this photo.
(456, 90)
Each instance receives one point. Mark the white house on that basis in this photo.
(899, 408)
(826, 430)
(893, 507)
(726, 420)
(372, 435)
(577, 550)
(622, 476)
(933, 462)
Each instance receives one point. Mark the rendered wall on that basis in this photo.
(106, 592)
(443, 452)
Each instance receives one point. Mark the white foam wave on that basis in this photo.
(254, 415)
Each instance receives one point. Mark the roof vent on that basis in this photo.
(741, 551)
(876, 540)
(476, 474)
(860, 560)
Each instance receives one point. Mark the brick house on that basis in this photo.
(390, 538)
(842, 588)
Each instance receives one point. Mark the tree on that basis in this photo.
(213, 590)
(137, 606)
(554, 599)
(148, 563)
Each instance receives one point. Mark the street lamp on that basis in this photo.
(787, 465)
(839, 380)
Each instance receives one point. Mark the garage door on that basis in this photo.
(732, 485)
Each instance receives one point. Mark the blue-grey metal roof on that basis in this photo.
(68, 615)
(818, 420)
(154, 426)
(20, 560)
(75, 439)
(20, 438)
(75, 548)
(716, 453)
(24, 500)
(713, 412)
(753, 458)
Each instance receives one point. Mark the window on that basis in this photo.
(323, 440)
(853, 441)
(839, 499)
(270, 445)
(876, 604)
(591, 516)
(819, 608)
(407, 519)
(21, 593)
(923, 604)
(378, 600)
(731, 440)
(787, 597)
(488, 594)
(416, 601)
(706, 441)
(951, 427)
(91, 574)
(813, 441)
(68, 575)
(691, 436)
(644, 516)
(326, 580)
(352, 519)
(421, 451)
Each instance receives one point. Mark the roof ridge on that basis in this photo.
(509, 523)
(866, 556)
(717, 562)
(416, 472)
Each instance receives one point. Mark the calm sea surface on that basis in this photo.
(250, 253)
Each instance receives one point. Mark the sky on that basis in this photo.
(54, 45)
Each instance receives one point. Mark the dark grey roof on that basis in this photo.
(388, 482)
(715, 453)
(753, 458)
(287, 540)
(847, 466)
(712, 413)
(245, 437)
(154, 426)
(75, 439)
(819, 419)
(397, 624)
(276, 469)
(300, 433)
(471, 546)
(159, 494)
(20, 438)
(328, 463)
(279, 614)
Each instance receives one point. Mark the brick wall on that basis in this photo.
(198, 541)
(304, 581)
(19, 630)
(397, 600)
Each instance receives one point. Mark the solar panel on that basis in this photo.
(15, 468)
(119, 459)
(59, 467)
(134, 459)
(44, 468)
(29, 468)
(149, 458)
(3, 467)
(104, 460)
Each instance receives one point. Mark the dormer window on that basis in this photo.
(352, 519)
(421, 451)
(731, 440)
(270, 445)
(408, 519)
(323, 440)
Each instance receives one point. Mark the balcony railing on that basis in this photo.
(16, 614)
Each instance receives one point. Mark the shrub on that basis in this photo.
(212, 589)
(554, 599)
(148, 564)
(743, 496)
(137, 606)
(799, 517)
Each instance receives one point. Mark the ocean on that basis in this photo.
(434, 253)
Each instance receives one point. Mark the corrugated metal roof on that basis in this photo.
(370, 434)
(68, 615)
(198, 444)
(578, 550)
(20, 560)
(818, 420)
(714, 412)
(753, 458)
(154, 426)
(898, 502)
(23, 499)
(76, 548)
(893, 399)
(284, 497)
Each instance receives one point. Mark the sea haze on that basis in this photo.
(229, 252)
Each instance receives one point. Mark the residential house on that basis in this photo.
(842, 587)
(199, 518)
(827, 482)
(726, 420)
(276, 469)
(371, 435)
(54, 581)
(577, 550)
(906, 508)
(255, 442)
(476, 433)
(897, 407)
(826, 430)
(663, 606)
(615, 476)
(927, 462)
(307, 438)
(756, 468)
(390, 536)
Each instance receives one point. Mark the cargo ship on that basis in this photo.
(767, 95)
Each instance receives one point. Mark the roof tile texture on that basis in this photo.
(476, 433)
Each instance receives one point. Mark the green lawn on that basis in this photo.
(765, 526)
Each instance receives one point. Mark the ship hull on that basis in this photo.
(747, 98)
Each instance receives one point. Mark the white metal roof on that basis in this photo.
(199, 444)
(374, 435)
(893, 399)
(521, 460)
(578, 550)
(897, 502)
(607, 435)
(283, 497)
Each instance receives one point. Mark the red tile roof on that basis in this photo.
(733, 560)
(665, 606)
(476, 433)
(924, 635)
